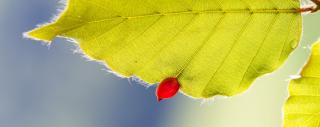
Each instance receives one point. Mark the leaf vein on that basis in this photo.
(138, 36)
(260, 46)
(243, 28)
(171, 39)
(108, 30)
(203, 43)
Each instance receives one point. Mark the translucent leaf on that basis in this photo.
(302, 109)
(212, 46)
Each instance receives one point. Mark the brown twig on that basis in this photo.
(311, 9)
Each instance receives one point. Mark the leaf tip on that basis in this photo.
(45, 33)
(40, 34)
(30, 35)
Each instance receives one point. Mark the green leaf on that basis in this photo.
(302, 109)
(213, 47)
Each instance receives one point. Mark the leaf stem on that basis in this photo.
(311, 9)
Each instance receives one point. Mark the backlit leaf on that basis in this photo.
(302, 109)
(213, 47)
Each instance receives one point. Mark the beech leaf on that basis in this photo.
(302, 108)
(213, 47)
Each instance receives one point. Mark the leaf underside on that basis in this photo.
(213, 47)
(302, 109)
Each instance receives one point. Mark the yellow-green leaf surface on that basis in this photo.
(302, 109)
(213, 47)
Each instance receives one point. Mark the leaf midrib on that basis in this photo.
(192, 12)
(292, 10)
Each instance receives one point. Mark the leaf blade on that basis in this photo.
(303, 105)
(212, 46)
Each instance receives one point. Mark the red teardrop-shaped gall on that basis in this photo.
(167, 88)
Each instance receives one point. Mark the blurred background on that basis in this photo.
(51, 86)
